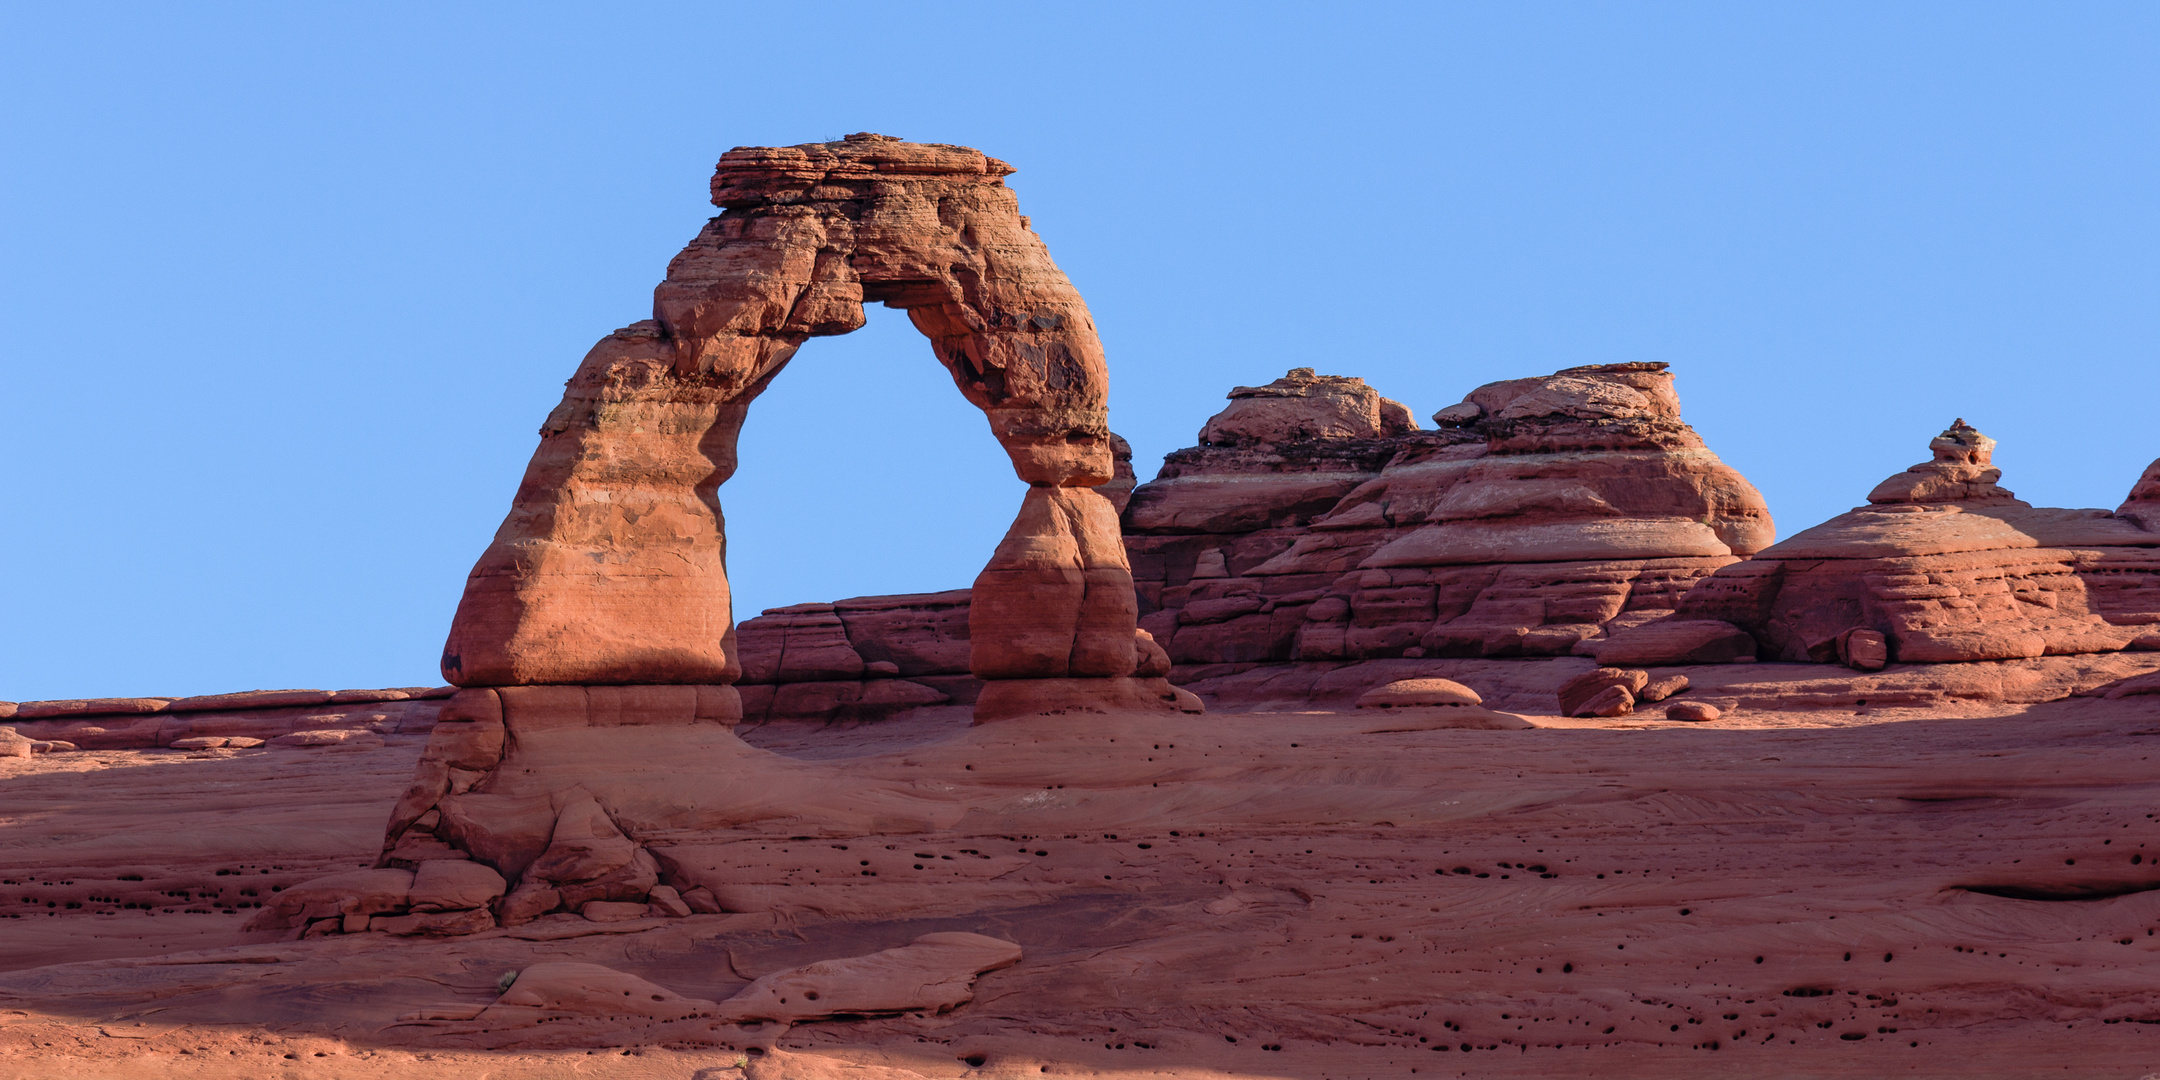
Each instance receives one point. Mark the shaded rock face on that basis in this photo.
(857, 659)
(2116, 555)
(2143, 505)
(610, 568)
(1945, 564)
(1542, 512)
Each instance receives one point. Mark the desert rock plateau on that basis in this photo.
(1512, 742)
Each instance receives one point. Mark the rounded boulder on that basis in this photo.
(1419, 693)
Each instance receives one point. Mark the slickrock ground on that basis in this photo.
(1956, 886)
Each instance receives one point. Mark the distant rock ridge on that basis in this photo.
(1316, 526)
(1316, 523)
(217, 719)
(1946, 565)
(1539, 512)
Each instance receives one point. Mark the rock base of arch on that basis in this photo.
(1008, 699)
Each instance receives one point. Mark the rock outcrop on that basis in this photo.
(2116, 554)
(610, 568)
(1543, 513)
(857, 659)
(1942, 562)
(2143, 504)
(1316, 523)
(595, 642)
(868, 657)
(247, 718)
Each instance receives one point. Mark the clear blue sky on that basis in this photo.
(286, 289)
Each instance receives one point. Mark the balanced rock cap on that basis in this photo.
(1418, 693)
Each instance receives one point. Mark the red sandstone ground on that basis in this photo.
(1785, 892)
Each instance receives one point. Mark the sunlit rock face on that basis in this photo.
(1943, 562)
(611, 568)
(1541, 514)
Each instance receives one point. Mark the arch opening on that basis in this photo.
(866, 476)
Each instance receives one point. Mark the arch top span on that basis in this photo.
(808, 234)
(610, 567)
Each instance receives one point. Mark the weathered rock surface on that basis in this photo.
(1943, 563)
(2116, 554)
(556, 989)
(354, 892)
(1691, 711)
(2113, 554)
(1316, 523)
(2143, 503)
(1674, 640)
(1302, 407)
(935, 972)
(610, 567)
(1588, 694)
(214, 720)
(1542, 514)
(330, 739)
(454, 885)
(1264, 916)
(1418, 693)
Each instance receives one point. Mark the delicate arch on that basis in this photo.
(610, 567)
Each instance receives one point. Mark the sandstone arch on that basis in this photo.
(610, 568)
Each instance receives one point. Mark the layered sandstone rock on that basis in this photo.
(2143, 504)
(1316, 523)
(1943, 563)
(2116, 554)
(1543, 512)
(857, 659)
(247, 718)
(595, 640)
(610, 568)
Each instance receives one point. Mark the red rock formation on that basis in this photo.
(2143, 505)
(1542, 512)
(1315, 523)
(871, 656)
(595, 639)
(1308, 880)
(857, 659)
(1942, 562)
(216, 719)
(610, 568)
(2116, 554)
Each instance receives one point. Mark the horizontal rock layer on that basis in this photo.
(1948, 566)
(1542, 512)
